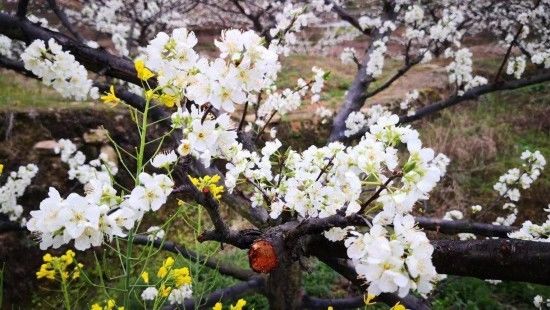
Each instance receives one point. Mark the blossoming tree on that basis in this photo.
(349, 203)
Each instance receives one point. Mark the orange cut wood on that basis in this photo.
(262, 256)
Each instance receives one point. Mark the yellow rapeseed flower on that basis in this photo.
(45, 272)
(96, 306)
(142, 72)
(166, 265)
(165, 290)
(239, 306)
(181, 276)
(209, 184)
(1, 168)
(398, 306)
(217, 306)
(367, 298)
(145, 276)
(162, 272)
(58, 266)
(110, 97)
(168, 100)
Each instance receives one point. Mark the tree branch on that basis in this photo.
(96, 60)
(344, 15)
(475, 92)
(64, 20)
(357, 94)
(463, 226)
(22, 7)
(225, 269)
(499, 259)
(309, 302)
(228, 294)
(344, 268)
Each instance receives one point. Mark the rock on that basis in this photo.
(46, 145)
(98, 135)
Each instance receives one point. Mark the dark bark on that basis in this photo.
(228, 294)
(64, 20)
(337, 303)
(474, 93)
(344, 268)
(463, 226)
(223, 268)
(513, 260)
(499, 259)
(96, 60)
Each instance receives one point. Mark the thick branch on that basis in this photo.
(64, 20)
(228, 294)
(339, 303)
(499, 259)
(514, 260)
(357, 93)
(463, 226)
(345, 16)
(343, 267)
(475, 93)
(96, 60)
(223, 268)
(22, 7)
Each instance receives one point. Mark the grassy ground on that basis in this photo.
(483, 139)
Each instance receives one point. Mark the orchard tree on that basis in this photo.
(348, 203)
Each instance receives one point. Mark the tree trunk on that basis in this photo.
(284, 286)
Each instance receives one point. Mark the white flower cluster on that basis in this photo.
(98, 169)
(541, 58)
(244, 69)
(290, 99)
(446, 28)
(321, 181)
(453, 215)
(179, 294)
(164, 160)
(318, 84)
(411, 97)
(348, 56)
(414, 15)
(206, 138)
(155, 233)
(358, 121)
(324, 114)
(367, 22)
(510, 218)
(476, 208)
(516, 66)
(376, 61)
(244, 66)
(289, 21)
(460, 70)
(534, 232)
(393, 262)
(5, 46)
(508, 184)
(59, 69)
(100, 214)
(354, 123)
(15, 186)
(539, 302)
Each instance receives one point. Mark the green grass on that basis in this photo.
(471, 293)
(19, 93)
